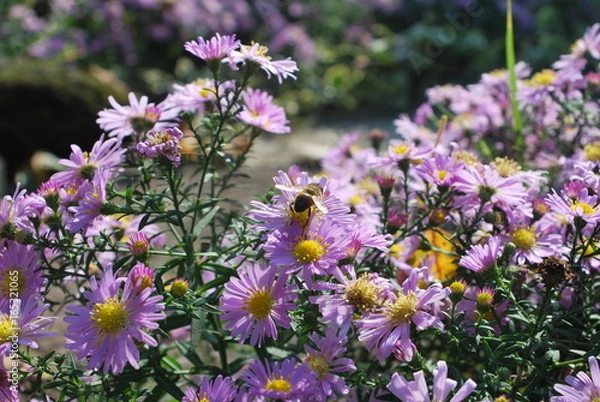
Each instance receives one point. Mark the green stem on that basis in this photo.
(510, 66)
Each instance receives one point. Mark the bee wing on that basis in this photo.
(320, 204)
(295, 189)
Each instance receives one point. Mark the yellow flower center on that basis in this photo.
(403, 308)
(179, 287)
(524, 237)
(162, 137)
(362, 294)
(109, 317)
(396, 250)
(467, 157)
(484, 299)
(442, 175)
(592, 151)
(319, 365)
(278, 385)
(7, 329)
(356, 199)
(506, 167)
(401, 149)
(544, 77)
(260, 304)
(308, 250)
(587, 208)
(8, 285)
(457, 287)
(498, 73)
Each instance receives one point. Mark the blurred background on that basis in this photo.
(360, 61)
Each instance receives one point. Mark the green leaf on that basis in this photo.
(206, 219)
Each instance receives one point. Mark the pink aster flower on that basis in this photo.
(256, 303)
(535, 242)
(142, 276)
(138, 117)
(314, 251)
(481, 257)
(215, 48)
(389, 326)
(105, 155)
(442, 170)
(580, 387)
(279, 215)
(19, 264)
(581, 209)
(257, 54)
(92, 204)
(163, 144)
(287, 381)
(15, 212)
(221, 389)
(484, 185)
(417, 390)
(139, 245)
(260, 111)
(350, 294)
(22, 323)
(326, 361)
(401, 154)
(118, 318)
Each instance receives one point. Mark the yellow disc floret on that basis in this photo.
(278, 385)
(7, 329)
(362, 293)
(319, 365)
(403, 308)
(109, 317)
(260, 304)
(524, 237)
(592, 151)
(308, 250)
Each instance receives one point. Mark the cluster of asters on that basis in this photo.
(401, 240)
(121, 309)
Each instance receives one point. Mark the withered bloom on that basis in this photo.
(554, 270)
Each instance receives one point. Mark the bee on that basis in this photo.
(307, 197)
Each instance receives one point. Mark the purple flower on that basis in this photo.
(486, 185)
(389, 326)
(278, 214)
(221, 389)
(107, 332)
(260, 111)
(15, 212)
(481, 257)
(163, 144)
(256, 302)
(23, 322)
(257, 54)
(287, 381)
(216, 48)
(315, 251)
(581, 208)
(20, 272)
(105, 155)
(326, 361)
(350, 295)
(417, 390)
(136, 118)
(580, 387)
(92, 204)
